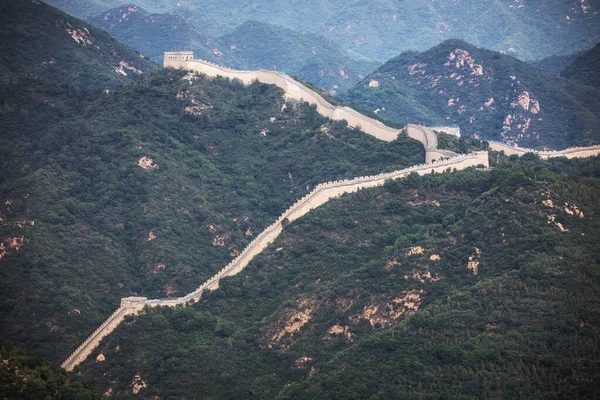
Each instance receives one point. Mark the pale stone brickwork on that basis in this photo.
(573, 152)
(318, 196)
(295, 90)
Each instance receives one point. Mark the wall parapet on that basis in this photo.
(298, 91)
(571, 152)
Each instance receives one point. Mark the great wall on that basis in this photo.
(572, 152)
(295, 90)
(318, 196)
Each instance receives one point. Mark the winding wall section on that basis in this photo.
(295, 90)
(318, 196)
(572, 152)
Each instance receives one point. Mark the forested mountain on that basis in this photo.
(486, 93)
(312, 58)
(148, 189)
(556, 64)
(40, 42)
(584, 68)
(153, 34)
(463, 286)
(381, 29)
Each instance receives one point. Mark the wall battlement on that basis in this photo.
(571, 152)
(320, 195)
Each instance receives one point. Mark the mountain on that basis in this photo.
(460, 286)
(381, 29)
(153, 34)
(485, 93)
(41, 42)
(147, 188)
(584, 68)
(556, 64)
(310, 57)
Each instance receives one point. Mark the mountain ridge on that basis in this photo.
(488, 94)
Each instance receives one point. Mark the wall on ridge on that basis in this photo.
(573, 152)
(318, 196)
(297, 91)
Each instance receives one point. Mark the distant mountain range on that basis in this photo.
(381, 29)
(252, 45)
(153, 34)
(487, 94)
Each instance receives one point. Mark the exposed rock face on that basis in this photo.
(473, 263)
(383, 313)
(137, 384)
(292, 321)
(147, 163)
(415, 250)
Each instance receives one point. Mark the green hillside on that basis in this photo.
(464, 286)
(556, 64)
(40, 42)
(488, 94)
(83, 223)
(381, 29)
(23, 376)
(585, 68)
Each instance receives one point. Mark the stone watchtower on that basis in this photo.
(177, 59)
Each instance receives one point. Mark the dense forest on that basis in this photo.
(40, 42)
(27, 377)
(120, 180)
(147, 189)
(466, 285)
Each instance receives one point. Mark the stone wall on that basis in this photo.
(295, 90)
(322, 193)
(177, 59)
(572, 152)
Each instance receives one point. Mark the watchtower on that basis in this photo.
(177, 59)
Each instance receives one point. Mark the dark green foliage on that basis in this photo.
(557, 63)
(23, 376)
(523, 327)
(488, 94)
(71, 167)
(585, 68)
(41, 42)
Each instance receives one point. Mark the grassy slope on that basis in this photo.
(523, 327)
